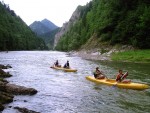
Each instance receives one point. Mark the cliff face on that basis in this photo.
(107, 22)
(75, 16)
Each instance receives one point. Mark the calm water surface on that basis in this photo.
(61, 92)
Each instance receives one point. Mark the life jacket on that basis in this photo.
(66, 65)
(120, 77)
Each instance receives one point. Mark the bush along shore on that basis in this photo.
(8, 90)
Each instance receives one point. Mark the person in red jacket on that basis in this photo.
(120, 76)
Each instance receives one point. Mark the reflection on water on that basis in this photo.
(61, 92)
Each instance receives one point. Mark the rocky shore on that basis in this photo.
(92, 54)
(89, 55)
(103, 54)
(8, 90)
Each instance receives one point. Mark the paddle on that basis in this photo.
(121, 79)
(104, 75)
(115, 85)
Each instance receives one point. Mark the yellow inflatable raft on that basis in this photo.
(64, 69)
(112, 82)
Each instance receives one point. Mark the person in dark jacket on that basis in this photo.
(98, 74)
(56, 64)
(67, 65)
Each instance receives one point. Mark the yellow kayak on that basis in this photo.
(112, 82)
(64, 69)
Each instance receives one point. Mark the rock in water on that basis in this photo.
(20, 90)
(25, 110)
(4, 74)
(5, 98)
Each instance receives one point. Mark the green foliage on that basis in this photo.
(134, 56)
(49, 38)
(15, 34)
(113, 21)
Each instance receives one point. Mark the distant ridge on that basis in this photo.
(49, 24)
(42, 27)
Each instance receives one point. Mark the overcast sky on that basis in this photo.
(57, 11)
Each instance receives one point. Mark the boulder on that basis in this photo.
(1, 107)
(2, 86)
(5, 98)
(4, 74)
(20, 90)
(2, 80)
(25, 110)
(5, 67)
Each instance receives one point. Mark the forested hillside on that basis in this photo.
(46, 30)
(113, 22)
(15, 34)
(49, 38)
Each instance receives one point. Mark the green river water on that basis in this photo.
(62, 92)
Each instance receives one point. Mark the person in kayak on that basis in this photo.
(98, 74)
(56, 64)
(120, 77)
(67, 65)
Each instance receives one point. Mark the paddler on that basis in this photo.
(98, 74)
(67, 65)
(120, 77)
(56, 64)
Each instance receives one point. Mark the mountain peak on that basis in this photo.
(45, 19)
(49, 24)
(42, 27)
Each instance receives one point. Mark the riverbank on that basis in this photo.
(92, 55)
(8, 90)
(141, 56)
(121, 55)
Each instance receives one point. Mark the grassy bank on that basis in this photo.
(132, 56)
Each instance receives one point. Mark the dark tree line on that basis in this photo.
(15, 34)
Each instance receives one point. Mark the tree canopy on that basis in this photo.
(15, 34)
(112, 21)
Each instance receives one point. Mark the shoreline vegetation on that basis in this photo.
(140, 56)
(136, 56)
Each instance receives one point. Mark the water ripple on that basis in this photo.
(61, 92)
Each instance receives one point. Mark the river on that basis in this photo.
(62, 92)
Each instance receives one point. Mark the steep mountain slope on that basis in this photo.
(42, 27)
(38, 28)
(46, 30)
(49, 24)
(111, 22)
(66, 26)
(49, 38)
(15, 34)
